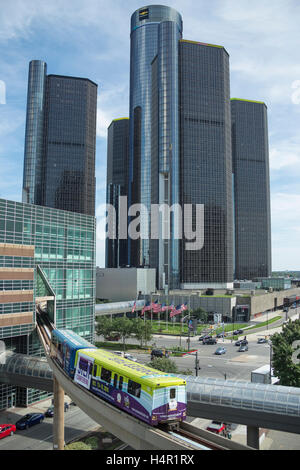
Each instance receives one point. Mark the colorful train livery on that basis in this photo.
(150, 395)
(64, 345)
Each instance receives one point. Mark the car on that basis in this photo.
(201, 338)
(210, 340)
(7, 430)
(159, 353)
(118, 353)
(130, 357)
(262, 340)
(50, 412)
(113, 337)
(217, 427)
(241, 342)
(220, 350)
(240, 332)
(29, 420)
(243, 348)
(220, 335)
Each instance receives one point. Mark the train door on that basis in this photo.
(172, 400)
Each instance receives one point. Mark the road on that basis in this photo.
(40, 436)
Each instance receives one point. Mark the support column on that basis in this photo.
(58, 419)
(253, 437)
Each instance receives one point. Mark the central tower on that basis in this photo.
(154, 135)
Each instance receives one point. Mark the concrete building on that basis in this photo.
(118, 285)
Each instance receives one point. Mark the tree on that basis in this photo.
(283, 345)
(200, 314)
(163, 364)
(124, 327)
(142, 331)
(104, 326)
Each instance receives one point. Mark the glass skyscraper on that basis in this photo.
(47, 256)
(117, 185)
(60, 141)
(251, 189)
(180, 153)
(206, 162)
(155, 34)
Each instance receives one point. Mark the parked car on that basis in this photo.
(50, 412)
(220, 350)
(29, 420)
(159, 353)
(113, 337)
(243, 348)
(262, 340)
(7, 430)
(130, 357)
(241, 342)
(240, 332)
(210, 340)
(217, 427)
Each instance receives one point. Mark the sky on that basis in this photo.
(91, 39)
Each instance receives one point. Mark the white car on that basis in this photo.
(130, 357)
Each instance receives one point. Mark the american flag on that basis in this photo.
(176, 311)
(146, 308)
(134, 307)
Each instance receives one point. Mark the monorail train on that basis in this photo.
(148, 394)
(64, 344)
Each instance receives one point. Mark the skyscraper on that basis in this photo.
(180, 155)
(116, 186)
(206, 162)
(59, 160)
(251, 189)
(155, 34)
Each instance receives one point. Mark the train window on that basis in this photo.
(95, 370)
(172, 393)
(121, 383)
(134, 388)
(115, 380)
(106, 375)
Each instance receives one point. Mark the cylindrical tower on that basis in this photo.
(34, 132)
(154, 132)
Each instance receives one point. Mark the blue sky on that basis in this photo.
(90, 39)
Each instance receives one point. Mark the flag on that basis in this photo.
(175, 311)
(134, 306)
(157, 308)
(184, 307)
(145, 308)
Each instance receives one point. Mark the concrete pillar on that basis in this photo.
(58, 419)
(253, 437)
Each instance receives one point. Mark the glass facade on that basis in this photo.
(34, 133)
(57, 248)
(155, 32)
(206, 161)
(251, 189)
(117, 185)
(60, 141)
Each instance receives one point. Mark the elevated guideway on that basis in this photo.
(134, 432)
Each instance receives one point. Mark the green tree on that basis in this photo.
(200, 314)
(163, 364)
(283, 363)
(104, 326)
(142, 331)
(124, 327)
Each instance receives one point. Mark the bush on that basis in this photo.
(78, 446)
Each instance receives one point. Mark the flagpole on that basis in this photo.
(167, 312)
(151, 308)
